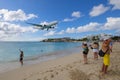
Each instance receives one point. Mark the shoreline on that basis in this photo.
(15, 64)
(31, 49)
(69, 67)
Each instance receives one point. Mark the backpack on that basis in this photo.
(101, 53)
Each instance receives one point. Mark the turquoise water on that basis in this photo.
(34, 52)
(9, 51)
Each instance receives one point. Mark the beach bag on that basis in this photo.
(101, 53)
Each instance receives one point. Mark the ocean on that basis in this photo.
(34, 52)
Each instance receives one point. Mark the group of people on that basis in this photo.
(95, 49)
(106, 48)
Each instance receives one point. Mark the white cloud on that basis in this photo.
(71, 30)
(115, 3)
(76, 14)
(2, 35)
(68, 19)
(93, 26)
(61, 32)
(98, 10)
(7, 29)
(50, 33)
(88, 27)
(44, 23)
(112, 23)
(0, 16)
(18, 15)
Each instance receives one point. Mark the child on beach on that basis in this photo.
(95, 50)
(85, 52)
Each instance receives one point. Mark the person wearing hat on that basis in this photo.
(106, 58)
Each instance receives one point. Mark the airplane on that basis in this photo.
(45, 25)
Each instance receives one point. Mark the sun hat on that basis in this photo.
(106, 38)
(84, 42)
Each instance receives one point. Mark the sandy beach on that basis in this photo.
(68, 68)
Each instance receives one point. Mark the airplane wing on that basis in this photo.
(35, 24)
(53, 24)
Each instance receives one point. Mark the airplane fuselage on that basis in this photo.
(45, 26)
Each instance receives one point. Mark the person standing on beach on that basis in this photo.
(95, 50)
(111, 44)
(85, 52)
(106, 58)
(21, 57)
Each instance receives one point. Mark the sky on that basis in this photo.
(76, 18)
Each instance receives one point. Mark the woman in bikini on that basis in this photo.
(21, 57)
(85, 52)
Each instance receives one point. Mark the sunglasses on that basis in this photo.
(106, 40)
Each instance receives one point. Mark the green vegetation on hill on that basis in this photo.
(67, 39)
